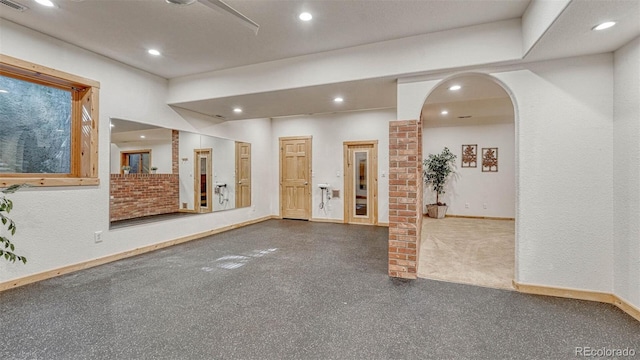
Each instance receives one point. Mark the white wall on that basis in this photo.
(471, 185)
(56, 225)
(224, 170)
(538, 17)
(329, 132)
(564, 172)
(626, 169)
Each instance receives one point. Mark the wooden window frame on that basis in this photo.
(84, 129)
(124, 158)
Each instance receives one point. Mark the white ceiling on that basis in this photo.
(196, 39)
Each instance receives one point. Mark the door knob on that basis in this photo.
(239, 182)
(306, 183)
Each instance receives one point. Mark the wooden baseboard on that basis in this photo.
(580, 295)
(333, 221)
(479, 217)
(119, 256)
(383, 224)
(625, 306)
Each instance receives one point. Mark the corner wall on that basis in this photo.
(626, 169)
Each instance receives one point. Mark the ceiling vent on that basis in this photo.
(14, 5)
(464, 117)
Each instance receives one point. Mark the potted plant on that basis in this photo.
(154, 169)
(7, 248)
(126, 169)
(436, 171)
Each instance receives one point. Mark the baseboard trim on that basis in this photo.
(626, 306)
(480, 217)
(569, 293)
(123, 255)
(333, 221)
(383, 224)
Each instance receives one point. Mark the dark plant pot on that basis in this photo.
(436, 211)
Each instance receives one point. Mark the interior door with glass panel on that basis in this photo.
(243, 174)
(361, 182)
(202, 180)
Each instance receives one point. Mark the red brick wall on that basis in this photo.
(137, 195)
(175, 147)
(405, 197)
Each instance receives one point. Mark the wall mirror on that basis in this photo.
(159, 173)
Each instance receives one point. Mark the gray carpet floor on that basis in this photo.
(286, 289)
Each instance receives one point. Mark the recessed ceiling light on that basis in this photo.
(181, 2)
(455, 87)
(604, 25)
(154, 52)
(237, 110)
(46, 3)
(142, 136)
(444, 112)
(338, 100)
(3, 91)
(305, 16)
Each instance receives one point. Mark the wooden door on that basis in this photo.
(202, 180)
(243, 174)
(295, 177)
(361, 182)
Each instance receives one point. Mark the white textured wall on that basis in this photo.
(471, 185)
(626, 169)
(56, 225)
(329, 132)
(538, 17)
(564, 172)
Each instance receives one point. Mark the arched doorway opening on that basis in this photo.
(474, 117)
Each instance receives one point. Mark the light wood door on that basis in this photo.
(295, 177)
(243, 174)
(361, 182)
(202, 180)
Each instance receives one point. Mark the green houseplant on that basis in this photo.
(126, 169)
(436, 171)
(7, 248)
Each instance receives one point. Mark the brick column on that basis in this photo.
(405, 197)
(175, 148)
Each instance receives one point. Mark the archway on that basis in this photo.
(474, 116)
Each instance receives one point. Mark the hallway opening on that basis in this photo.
(474, 117)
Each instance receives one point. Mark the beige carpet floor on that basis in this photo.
(469, 251)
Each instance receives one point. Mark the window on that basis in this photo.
(139, 161)
(49, 123)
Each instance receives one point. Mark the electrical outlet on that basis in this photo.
(97, 237)
(484, 206)
(466, 205)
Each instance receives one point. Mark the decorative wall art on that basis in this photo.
(470, 156)
(490, 159)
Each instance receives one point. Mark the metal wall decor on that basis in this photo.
(490, 159)
(470, 156)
